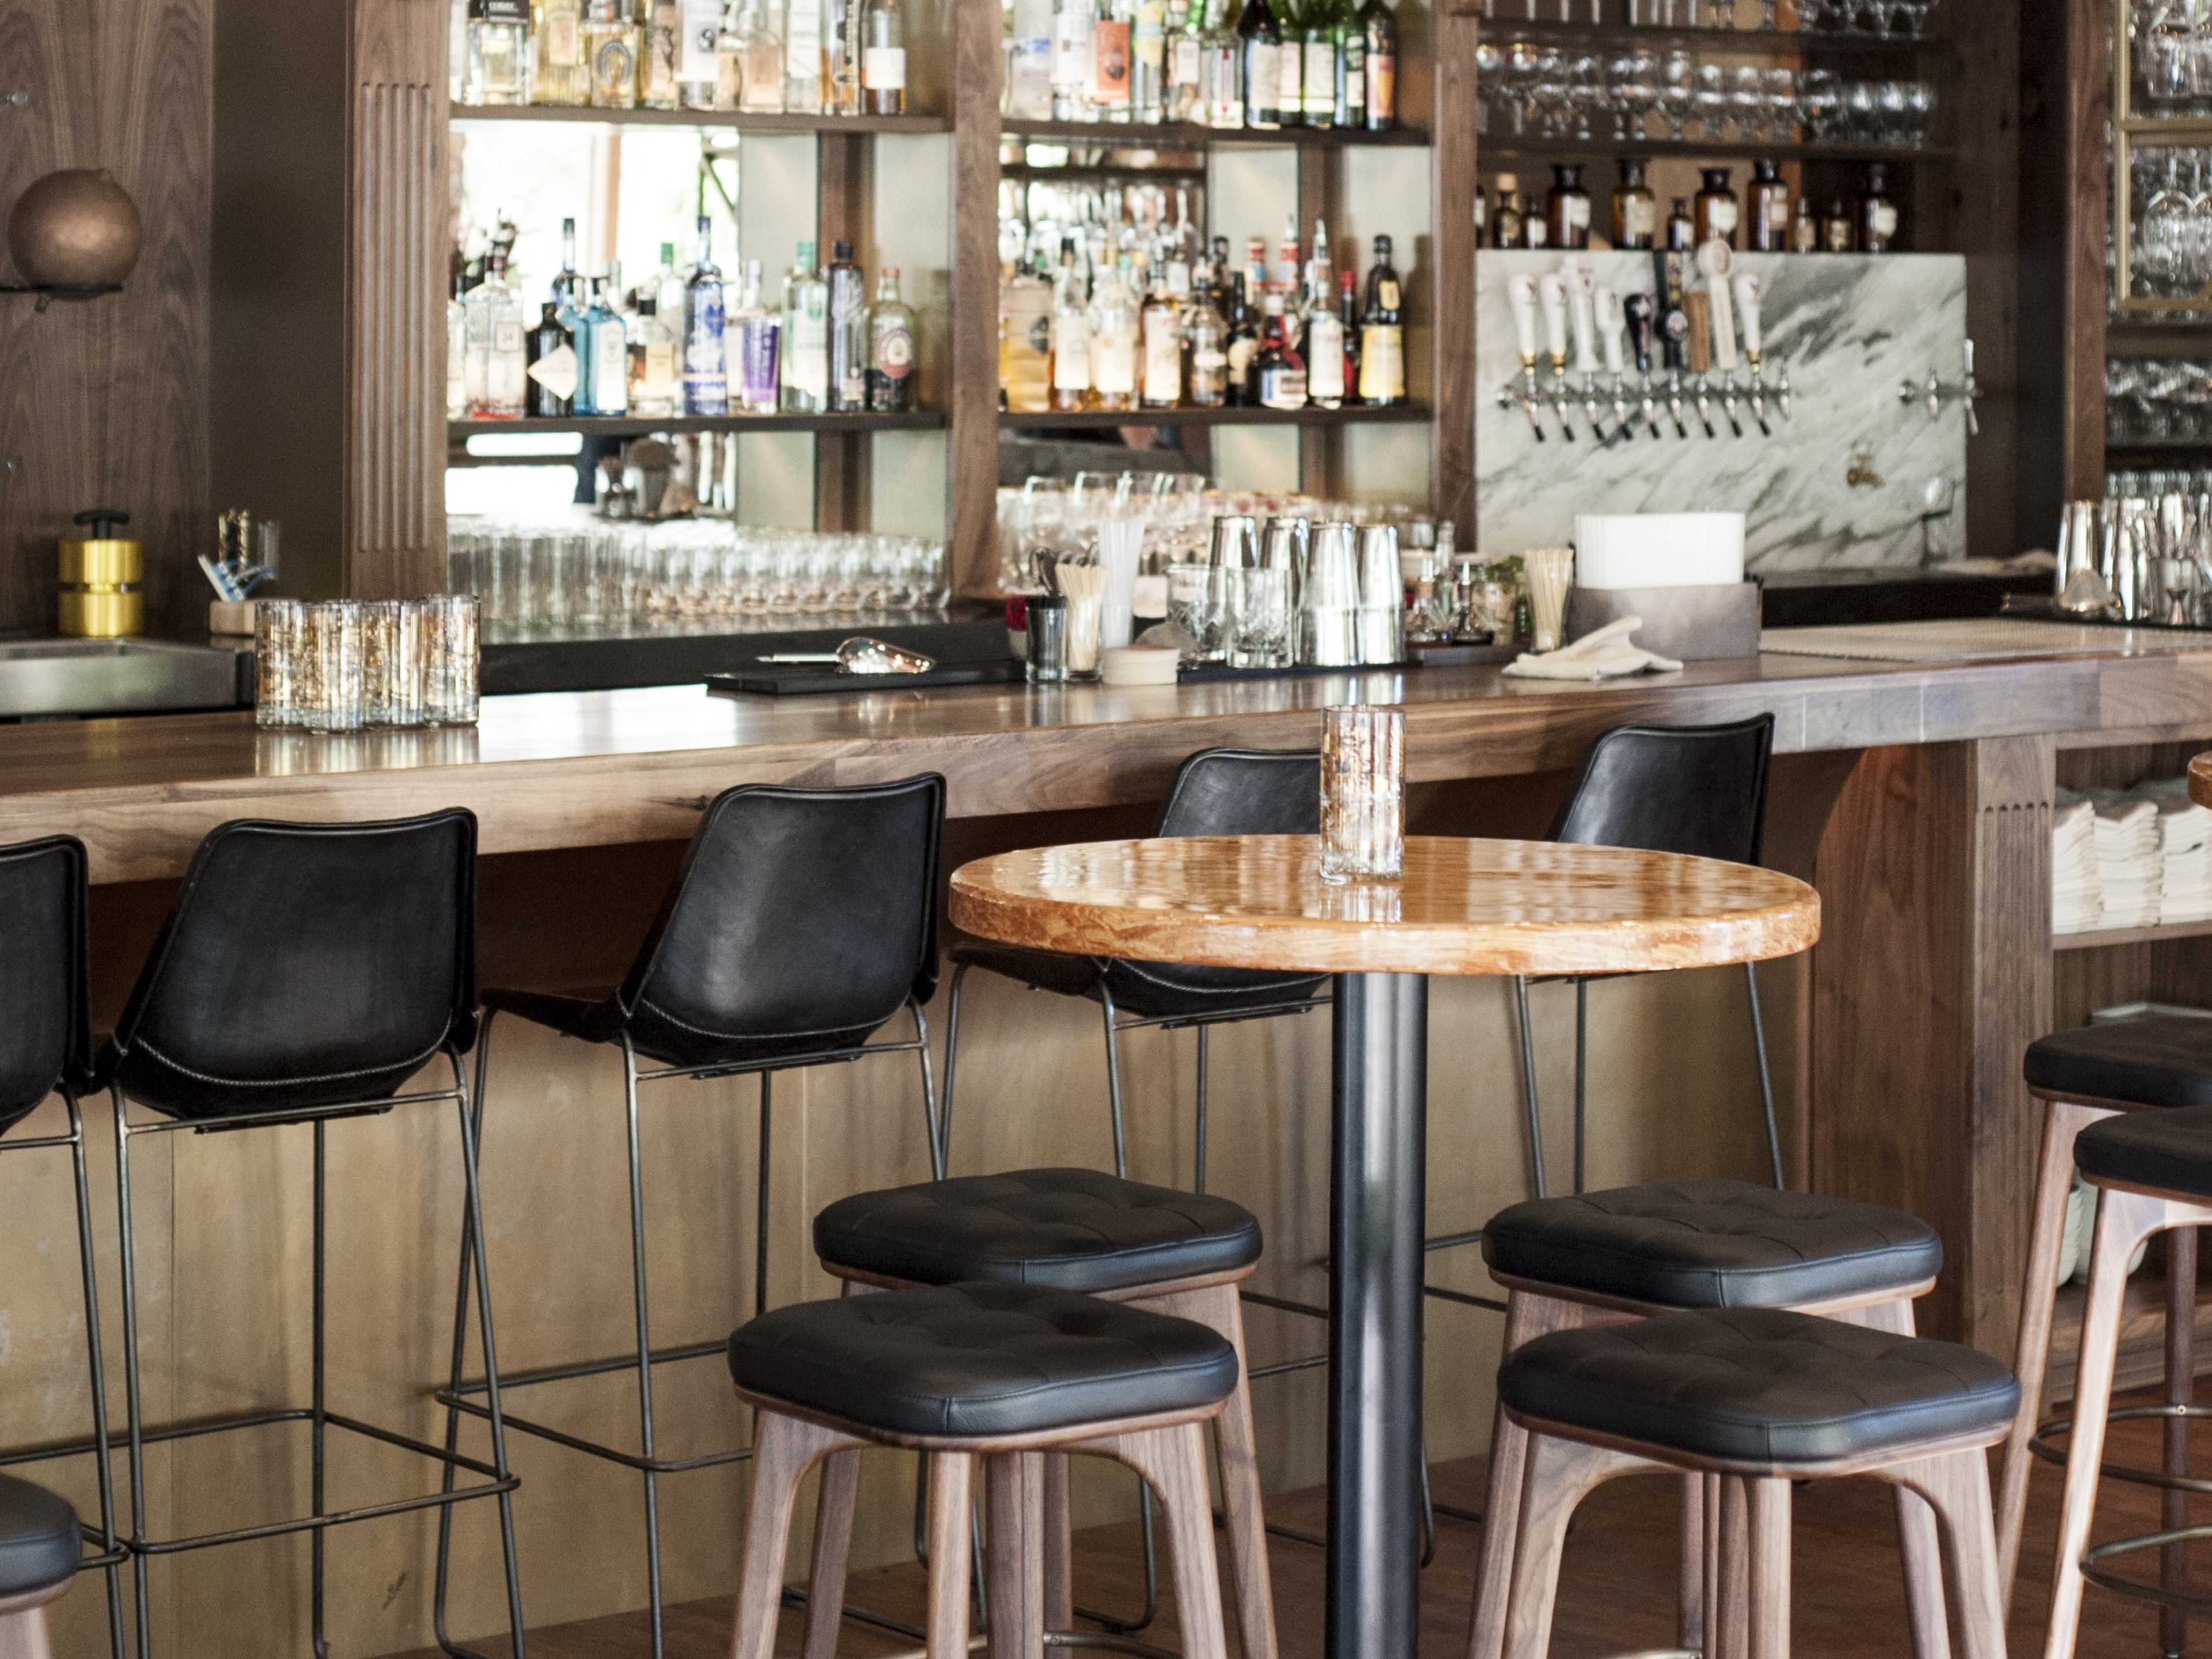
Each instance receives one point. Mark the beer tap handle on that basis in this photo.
(1553, 292)
(1639, 312)
(1522, 292)
(1582, 294)
(1747, 306)
(1717, 260)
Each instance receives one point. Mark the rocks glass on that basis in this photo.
(450, 660)
(1362, 793)
(327, 672)
(279, 635)
(391, 662)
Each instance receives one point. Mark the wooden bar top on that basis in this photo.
(598, 769)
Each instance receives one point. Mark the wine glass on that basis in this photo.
(1780, 86)
(1489, 64)
(1582, 88)
(1712, 100)
(1895, 99)
(1748, 100)
(1819, 99)
(1678, 91)
(1548, 91)
(1861, 111)
(1620, 82)
(1520, 83)
(1641, 91)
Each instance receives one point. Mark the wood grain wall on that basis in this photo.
(104, 404)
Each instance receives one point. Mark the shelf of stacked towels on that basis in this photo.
(2139, 857)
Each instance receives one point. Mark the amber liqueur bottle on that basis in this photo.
(1769, 230)
(1382, 333)
(1716, 208)
(1505, 227)
(1635, 208)
(1877, 212)
(1567, 208)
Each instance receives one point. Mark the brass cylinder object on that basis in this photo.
(102, 580)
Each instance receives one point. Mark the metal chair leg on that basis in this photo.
(1582, 1069)
(319, 1422)
(132, 1405)
(1114, 1083)
(1765, 1075)
(1199, 1166)
(762, 1197)
(1534, 1118)
(473, 1129)
(930, 1122)
(104, 1474)
(638, 1291)
(943, 1151)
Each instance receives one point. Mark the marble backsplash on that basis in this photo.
(1848, 482)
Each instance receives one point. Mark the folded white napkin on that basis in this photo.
(1606, 654)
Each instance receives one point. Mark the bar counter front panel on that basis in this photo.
(1918, 798)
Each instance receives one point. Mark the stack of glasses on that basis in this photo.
(1327, 596)
(339, 666)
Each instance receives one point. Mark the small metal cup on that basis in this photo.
(1332, 570)
(1236, 543)
(1382, 582)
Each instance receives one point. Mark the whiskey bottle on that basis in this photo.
(1350, 66)
(1877, 215)
(1567, 208)
(753, 333)
(1317, 106)
(1506, 229)
(1148, 62)
(550, 374)
(1716, 208)
(1071, 334)
(802, 57)
(1635, 208)
(1382, 333)
(842, 69)
(664, 42)
(1186, 59)
(1209, 352)
(1281, 370)
(1378, 26)
(1804, 230)
(890, 348)
(560, 76)
(1681, 229)
(1243, 390)
(1260, 39)
(1025, 341)
(1114, 339)
(806, 336)
(1161, 326)
(499, 53)
(1837, 234)
(612, 45)
(1348, 312)
(883, 58)
(761, 61)
(705, 360)
(1770, 209)
(496, 348)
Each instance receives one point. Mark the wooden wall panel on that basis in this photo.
(1982, 222)
(1455, 184)
(104, 404)
(972, 460)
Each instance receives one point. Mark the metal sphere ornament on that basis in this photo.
(75, 228)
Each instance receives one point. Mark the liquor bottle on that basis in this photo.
(1567, 208)
(760, 55)
(1110, 60)
(1716, 208)
(730, 67)
(1025, 341)
(802, 57)
(1378, 25)
(499, 52)
(1769, 230)
(806, 336)
(1073, 21)
(612, 45)
(705, 360)
(1186, 59)
(1208, 333)
(663, 44)
(699, 34)
(1290, 99)
(1028, 70)
(848, 331)
(667, 288)
(1805, 228)
(883, 58)
(558, 75)
(1114, 339)
(1351, 40)
(1148, 62)
(567, 286)
(496, 343)
(549, 390)
(1071, 334)
(1318, 104)
(1635, 208)
(457, 352)
(653, 381)
(1382, 333)
(1877, 215)
(1244, 350)
(1161, 326)
(1837, 234)
(1347, 313)
(1535, 228)
(752, 331)
(842, 70)
(1260, 39)
(1506, 229)
(890, 348)
(1681, 229)
(1324, 347)
(1281, 370)
(1221, 73)
(1283, 279)
(609, 345)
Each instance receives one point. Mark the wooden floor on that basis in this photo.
(1617, 1592)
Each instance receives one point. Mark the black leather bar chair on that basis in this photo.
(45, 1050)
(801, 922)
(1216, 792)
(308, 973)
(40, 1548)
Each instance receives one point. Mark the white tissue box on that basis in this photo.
(1690, 625)
(1658, 550)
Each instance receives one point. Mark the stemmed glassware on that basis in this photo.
(1678, 91)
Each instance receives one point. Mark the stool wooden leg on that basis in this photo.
(784, 1448)
(1919, 1538)
(1173, 1462)
(1957, 1485)
(1708, 1567)
(2063, 1122)
(1560, 1471)
(23, 1625)
(1769, 1516)
(1014, 1501)
(833, 1548)
(1223, 1309)
(2180, 1389)
(952, 1487)
(1729, 1619)
(1690, 1600)
(1526, 1318)
(1059, 1546)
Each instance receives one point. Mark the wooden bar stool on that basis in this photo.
(40, 1544)
(1633, 1253)
(2153, 1172)
(1183, 1253)
(2083, 1077)
(1758, 1398)
(1002, 1373)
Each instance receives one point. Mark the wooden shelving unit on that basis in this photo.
(1187, 135)
(1691, 149)
(2105, 937)
(624, 426)
(1042, 419)
(1778, 41)
(735, 120)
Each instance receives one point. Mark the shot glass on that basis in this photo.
(279, 638)
(450, 659)
(1362, 793)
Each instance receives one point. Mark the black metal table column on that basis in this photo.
(1377, 1192)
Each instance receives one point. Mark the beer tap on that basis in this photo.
(1673, 332)
(1716, 259)
(1699, 308)
(1747, 303)
(1641, 313)
(1521, 293)
(1552, 290)
(1611, 321)
(1781, 391)
(1581, 296)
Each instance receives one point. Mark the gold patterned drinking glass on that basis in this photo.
(1362, 793)
(279, 626)
(450, 660)
(392, 663)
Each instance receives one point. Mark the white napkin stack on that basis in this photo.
(2077, 901)
(2185, 841)
(1606, 654)
(2129, 872)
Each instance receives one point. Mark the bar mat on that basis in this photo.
(1216, 676)
(1989, 639)
(805, 679)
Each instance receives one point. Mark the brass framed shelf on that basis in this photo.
(626, 425)
(1189, 135)
(2110, 936)
(1600, 149)
(1355, 415)
(464, 115)
(1732, 40)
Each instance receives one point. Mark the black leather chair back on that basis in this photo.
(1698, 790)
(798, 912)
(45, 1030)
(306, 965)
(1245, 791)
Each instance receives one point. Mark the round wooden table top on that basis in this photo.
(2200, 779)
(1460, 907)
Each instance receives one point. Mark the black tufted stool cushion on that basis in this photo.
(2163, 1061)
(2169, 1151)
(39, 1546)
(1709, 1243)
(981, 1360)
(1759, 1385)
(1072, 1229)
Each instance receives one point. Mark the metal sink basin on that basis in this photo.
(115, 677)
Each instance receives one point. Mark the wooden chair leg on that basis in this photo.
(1173, 1462)
(1059, 1546)
(1014, 1507)
(1708, 1567)
(2064, 1122)
(1559, 1474)
(1957, 1486)
(785, 1448)
(952, 1487)
(833, 1550)
(1526, 1318)
(1223, 1309)
(1690, 1600)
(1730, 1619)
(1768, 1509)
(1919, 1539)
(24, 1634)
(2123, 1221)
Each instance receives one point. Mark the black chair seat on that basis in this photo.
(1145, 990)
(2167, 1152)
(39, 1546)
(2161, 1061)
(1710, 1244)
(666, 1040)
(981, 1360)
(1759, 1385)
(1069, 1230)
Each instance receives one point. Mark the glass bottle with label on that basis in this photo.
(1378, 26)
(1114, 339)
(699, 77)
(1347, 313)
(706, 361)
(1221, 74)
(1505, 227)
(1261, 38)
(848, 331)
(1024, 342)
(1186, 36)
(664, 42)
(609, 345)
(841, 68)
(457, 352)
(558, 76)
(1770, 209)
(883, 58)
(1635, 208)
(612, 45)
(549, 371)
(653, 382)
(1804, 230)
(1160, 325)
(1072, 24)
(1029, 60)
(499, 53)
(1837, 234)
(1071, 334)
(1715, 209)
(497, 348)
(759, 51)
(805, 344)
(1317, 104)
(890, 348)
(1281, 370)
(802, 57)
(1243, 389)
(1382, 333)
(1535, 228)
(1109, 59)
(1567, 207)
(755, 335)
(1208, 331)
(1148, 62)
(1350, 66)
(1877, 215)
(1324, 346)
(1681, 229)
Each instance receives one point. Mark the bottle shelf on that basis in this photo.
(1354, 415)
(1189, 135)
(2151, 450)
(464, 114)
(1725, 40)
(624, 426)
(1506, 151)
(2171, 341)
